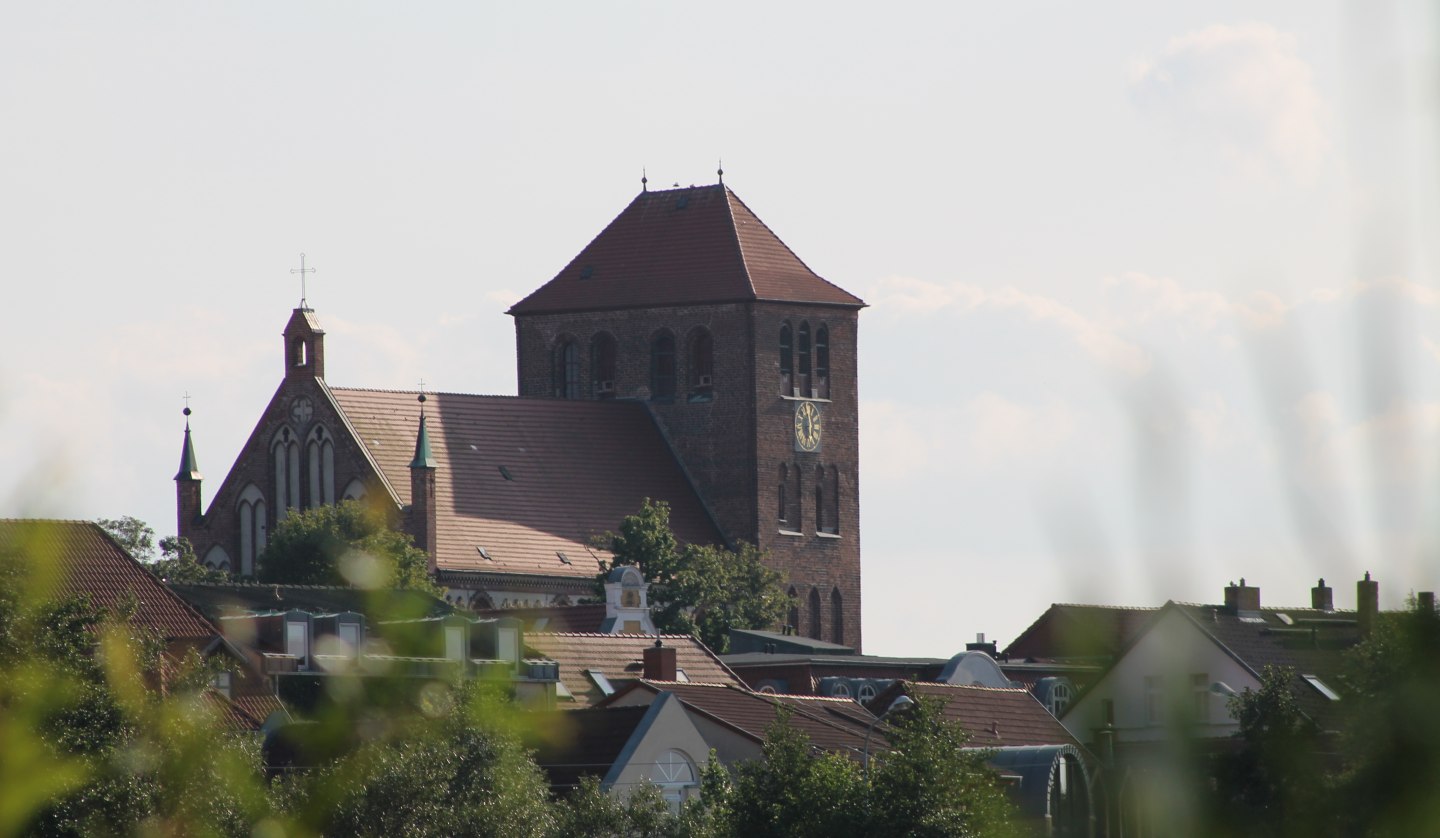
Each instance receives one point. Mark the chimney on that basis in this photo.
(1322, 598)
(1242, 600)
(1425, 602)
(1367, 604)
(659, 662)
(981, 646)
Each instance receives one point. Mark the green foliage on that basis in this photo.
(698, 589)
(930, 784)
(176, 562)
(349, 543)
(790, 792)
(642, 813)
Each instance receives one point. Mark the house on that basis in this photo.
(90, 564)
(685, 354)
(624, 747)
(1184, 663)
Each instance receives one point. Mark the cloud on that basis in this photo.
(1243, 87)
(907, 296)
(988, 433)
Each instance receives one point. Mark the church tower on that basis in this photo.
(747, 360)
(187, 486)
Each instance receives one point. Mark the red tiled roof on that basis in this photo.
(994, 717)
(619, 658)
(680, 247)
(1093, 633)
(575, 469)
(93, 564)
(832, 724)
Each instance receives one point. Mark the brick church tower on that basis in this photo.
(747, 360)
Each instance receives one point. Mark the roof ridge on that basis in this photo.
(776, 236)
(735, 234)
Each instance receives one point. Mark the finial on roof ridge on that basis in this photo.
(644, 180)
(720, 171)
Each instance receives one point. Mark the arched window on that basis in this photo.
(251, 511)
(822, 521)
(662, 367)
(840, 690)
(815, 620)
(797, 509)
(837, 618)
(821, 384)
(787, 361)
(354, 490)
(602, 360)
(297, 352)
(793, 618)
(702, 366)
(320, 457)
(802, 375)
(830, 522)
(285, 456)
(783, 510)
(1059, 699)
(866, 693)
(567, 370)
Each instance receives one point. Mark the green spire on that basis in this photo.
(189, 470)
(423, 457)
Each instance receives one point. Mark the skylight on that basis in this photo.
(484, 555)
(1321, 687)
(599, 679)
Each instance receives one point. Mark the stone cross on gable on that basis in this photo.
(302, 270)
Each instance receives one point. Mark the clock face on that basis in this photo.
(807, 427)
(301, 410)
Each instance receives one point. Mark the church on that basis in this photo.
(686, 355)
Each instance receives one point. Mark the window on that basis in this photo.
(797, 509)
(221, 682)
(1153, 700)
(599, 680)
(782, 511)
(793, 618)
(821, 384)
(833, 518)
(1200, 697)
(602, 358)
(1321, 687)
(802, 375)
(820, 523)
(567, 370)
(787, 363)
(350, 636)
(455, 643)
(815, 613)
(840, 690)
(866, 693)
(702, 366)
(252, 528)
(285, 455)
(297, 641)
(1060, 696)
(837, 617)
(662, 367)
(320, 461)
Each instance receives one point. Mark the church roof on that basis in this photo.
(527, 479)
(682, 247)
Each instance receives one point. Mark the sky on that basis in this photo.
(1153, 298)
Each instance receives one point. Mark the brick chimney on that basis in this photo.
(659, 662)
(1322, 597)
(1367, 604)
(1242, 599)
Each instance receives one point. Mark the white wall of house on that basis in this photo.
(1163, 679)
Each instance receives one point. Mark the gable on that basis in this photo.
(680, 247)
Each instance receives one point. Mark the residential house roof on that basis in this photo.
(832, 724)
(1079, 633)
(619, 658)
(223, 599)
(527, 481)
(571, 745)
(685, 246)
(92, 564)
(585, 618)
(994, 717)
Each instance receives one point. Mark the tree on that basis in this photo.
(346, 543)
(930, 783)
(791, 792)
(697, 589)
(177, 561)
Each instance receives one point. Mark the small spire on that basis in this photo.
(423, 457)
(720, 171)
(189, 469)
(644, 180)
